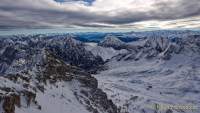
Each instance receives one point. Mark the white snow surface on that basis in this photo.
(111, 40)
(58, 98)
(105, 53)
(137, 86)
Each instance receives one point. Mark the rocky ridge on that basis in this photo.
(32, 68)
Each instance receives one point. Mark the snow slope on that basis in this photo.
(139, 84)
(58, 98)
(105, 53)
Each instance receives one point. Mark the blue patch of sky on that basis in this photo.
(89, 2)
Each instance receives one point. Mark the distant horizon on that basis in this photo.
(32, 31)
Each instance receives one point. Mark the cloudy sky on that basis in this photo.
(135, 14)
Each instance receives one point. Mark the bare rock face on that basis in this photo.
(9, 102)
(54, 70)
(12, 98)
(29, 96)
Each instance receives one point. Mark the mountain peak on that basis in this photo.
(70, 40)
(111, 41)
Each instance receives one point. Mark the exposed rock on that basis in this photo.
(30, 97)
(9, 102)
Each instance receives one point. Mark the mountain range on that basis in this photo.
(131, 72)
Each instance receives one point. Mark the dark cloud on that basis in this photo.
(182, 9)
(27, 15)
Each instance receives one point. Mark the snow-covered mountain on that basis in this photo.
(112, 41)
(163, 33)
(36, 79)
(74, 53)
(157, 72)
(58, 73)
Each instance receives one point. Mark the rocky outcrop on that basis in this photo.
(9, 102)
(12, 98)
(88, 92)
(26, 85)
(75, 54)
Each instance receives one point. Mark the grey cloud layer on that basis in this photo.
(29, 14)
